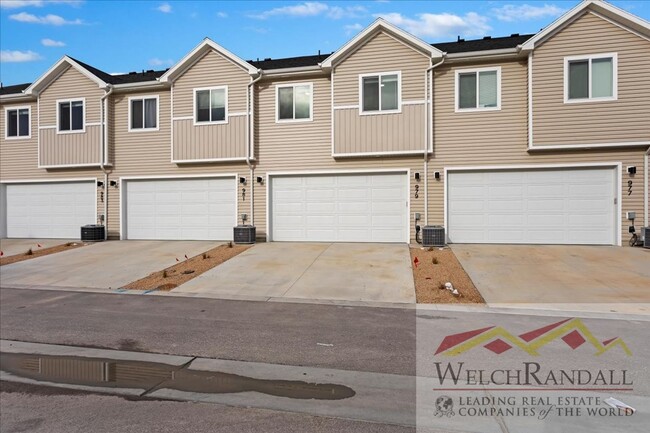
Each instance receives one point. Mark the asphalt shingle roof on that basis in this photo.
(463, 46)
(460, 46)
(16, 88)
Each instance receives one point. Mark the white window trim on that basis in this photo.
(143, 98)
(477, 71)
(194, 111)
(380, 111)
(83, 118)
(277, 102)
(29, 115)
(590, 57)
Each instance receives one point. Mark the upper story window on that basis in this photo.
(71, 115)
(294, 102)
(380, 93)
(211, 105)
(143, 113)
(590, 78)
(17, 122)
(478, 89)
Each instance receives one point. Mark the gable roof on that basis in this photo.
(199, 51)
(289, 62)
(61, 66)
(378, 25)
(600, 7)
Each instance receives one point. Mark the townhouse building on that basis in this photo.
(538, 139)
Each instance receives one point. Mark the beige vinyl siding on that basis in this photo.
(148, 154)
(372, 133)
(74, 148)
(210, 141)
(379, 133)
(624, 120)
(305, 147)
(212, 70)
(219, 141)
(382, 53)
(69, 149)
(499, 138)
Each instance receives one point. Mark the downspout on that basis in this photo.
(250, 106)
(428, 117)
(102, 164)
(646, 223)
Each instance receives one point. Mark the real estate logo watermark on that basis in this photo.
(555, 371)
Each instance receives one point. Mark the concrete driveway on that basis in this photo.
(324, 271)
(102, 265)
(557, 273)
(10, 247)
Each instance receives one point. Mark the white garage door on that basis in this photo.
(49, 210)
(180, 209)
(340, 208)
(558, 206)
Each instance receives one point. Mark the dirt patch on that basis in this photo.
(434, 269)
(174, 276)
(32, 253)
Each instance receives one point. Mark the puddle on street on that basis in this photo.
(112, 373)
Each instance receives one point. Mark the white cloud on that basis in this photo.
(7, 56)
(222, 15)
(52, 43)
(336, 12)
(160, 62)
(437, 25)
(15, 4)
(527, 12)
(51, 19)
(352, 28)
(306, 9)
(165, 8)
(310, 9)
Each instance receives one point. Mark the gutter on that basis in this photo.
(16, 96)
(428, 124)
(141, 84)
(102, 165)
(250, 107)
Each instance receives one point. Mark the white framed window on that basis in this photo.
(143, 113)
(17, 123)
(478, 89)
(380, 93)
(71, 116)
(591, 78)
(294, 102)
(211, 105)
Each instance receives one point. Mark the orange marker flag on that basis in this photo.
(416, 262)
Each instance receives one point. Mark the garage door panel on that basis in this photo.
(343, 208)
(49, 209)
(561, 206)
(180, 209)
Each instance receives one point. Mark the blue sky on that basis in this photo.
(120, 37)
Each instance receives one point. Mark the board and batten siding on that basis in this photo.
(73, 148)
(305, 147)
(626, 119)
(379, 133)
(499, 138)
(226, 140)
(217, 141)
(371, 133)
